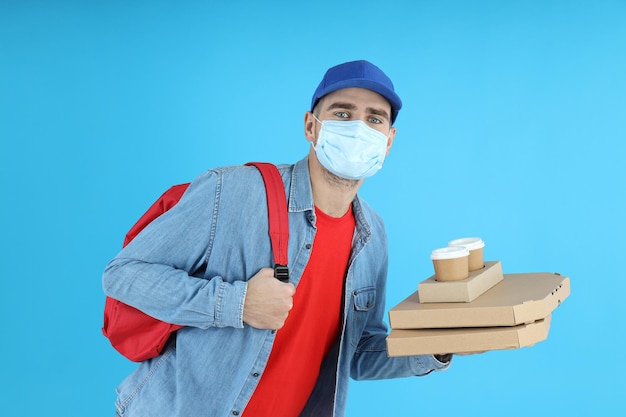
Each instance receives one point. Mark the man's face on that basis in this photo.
(352, 104)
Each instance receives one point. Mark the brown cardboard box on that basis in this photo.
(517, 299)
(477, 339)
(465, 290)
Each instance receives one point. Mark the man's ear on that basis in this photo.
(310, 130)
(392, 135)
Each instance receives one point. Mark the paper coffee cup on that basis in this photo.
(475, 246)
(451, 263)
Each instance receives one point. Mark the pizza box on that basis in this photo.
(517, 299)
(466, 340)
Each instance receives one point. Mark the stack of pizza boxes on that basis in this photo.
(470, 306)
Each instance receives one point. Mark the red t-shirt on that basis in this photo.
(312, 326)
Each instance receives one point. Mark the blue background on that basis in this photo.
(513, 130)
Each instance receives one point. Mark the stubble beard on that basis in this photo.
(337, 181)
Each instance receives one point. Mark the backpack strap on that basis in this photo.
(277, 217)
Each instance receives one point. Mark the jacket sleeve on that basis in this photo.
(370, 360)
(155, 272)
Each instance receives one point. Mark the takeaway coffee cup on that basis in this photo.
(451, 263)
(475, 247)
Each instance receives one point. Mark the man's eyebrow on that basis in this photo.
(379, 112)
(339, 105)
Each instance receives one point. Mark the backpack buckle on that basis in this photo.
(281, 272)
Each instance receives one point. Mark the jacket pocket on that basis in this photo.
(364, 299)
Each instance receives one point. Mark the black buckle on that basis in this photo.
(281, 272)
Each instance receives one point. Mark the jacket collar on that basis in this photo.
(300, 193)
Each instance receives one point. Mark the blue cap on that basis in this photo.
(359, 74)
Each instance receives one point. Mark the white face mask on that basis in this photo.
(350, 149)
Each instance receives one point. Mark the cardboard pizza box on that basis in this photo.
(466, 340)
(517, 299)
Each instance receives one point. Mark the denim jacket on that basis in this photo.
(190, 267)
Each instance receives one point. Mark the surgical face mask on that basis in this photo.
(350, 149)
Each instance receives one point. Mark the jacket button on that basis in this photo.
(235, 413)
(308, 246)
(256, 374)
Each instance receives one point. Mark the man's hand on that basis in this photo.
(268, 301)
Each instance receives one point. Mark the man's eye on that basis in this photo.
(342, 114)
(375, 120)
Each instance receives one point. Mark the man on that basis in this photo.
(253, 345)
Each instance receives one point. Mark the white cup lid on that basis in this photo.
(471, 243)
(450, 252)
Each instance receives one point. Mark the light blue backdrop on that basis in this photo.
(513, 130)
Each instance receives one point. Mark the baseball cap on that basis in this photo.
(360, 74)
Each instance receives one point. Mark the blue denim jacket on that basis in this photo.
(190, 267)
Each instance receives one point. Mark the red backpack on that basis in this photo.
(139, 336)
